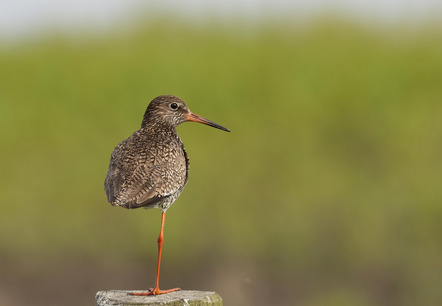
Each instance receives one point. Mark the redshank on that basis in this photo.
(150, 168)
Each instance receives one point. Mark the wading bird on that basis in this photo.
(150, 168)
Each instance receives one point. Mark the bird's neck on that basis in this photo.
(159, 128)
(153, 122)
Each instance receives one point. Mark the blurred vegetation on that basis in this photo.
(327, 189)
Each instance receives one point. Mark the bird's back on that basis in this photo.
(148, 169)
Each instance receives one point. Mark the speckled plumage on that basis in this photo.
(150, 168)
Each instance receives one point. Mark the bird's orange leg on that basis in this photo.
(156, 290)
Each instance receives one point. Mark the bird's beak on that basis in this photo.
(195, 118)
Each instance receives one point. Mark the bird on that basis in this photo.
(150, 168)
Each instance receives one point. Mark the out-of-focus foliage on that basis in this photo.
(326, 192)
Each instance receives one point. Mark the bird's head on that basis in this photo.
(171, 110)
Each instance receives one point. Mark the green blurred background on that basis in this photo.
(326, 192)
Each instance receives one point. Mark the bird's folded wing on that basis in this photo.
(147, 186)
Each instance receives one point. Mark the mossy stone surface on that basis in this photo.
(177, 298)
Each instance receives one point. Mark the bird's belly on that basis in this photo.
(165, 202)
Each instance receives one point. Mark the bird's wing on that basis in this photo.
(148, 185)
(124, 178)
(115, 176)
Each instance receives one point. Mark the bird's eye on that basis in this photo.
(173, 105)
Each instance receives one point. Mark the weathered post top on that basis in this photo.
(177, 298)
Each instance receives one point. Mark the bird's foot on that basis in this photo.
(154, 291)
